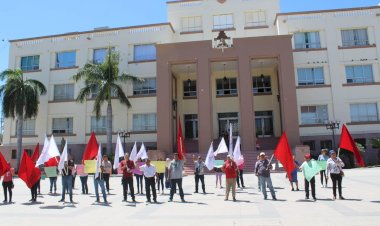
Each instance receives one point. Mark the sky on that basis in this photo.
(31, 18)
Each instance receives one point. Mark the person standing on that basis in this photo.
(107, 170)
(312, 181)
(262, 170)
(239, 176)
(334, 169)
(52, 180)
(218, 177)
(199, 173)
(160, 181)
(139, 178)
(258, 178)
(99, 181)
(229, 168)
(127, 180)
(175, 177)
(294, 173)
(167, 172)
(323, 157)
(150, 172)
(8, 184)
(67, 179)
(83, 180)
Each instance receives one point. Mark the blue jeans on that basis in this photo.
(264, 182)
(53, 183)
(101, 184)
(67, 185)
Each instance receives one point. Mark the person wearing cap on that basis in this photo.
(323, 157)
(334, 169)
(175, 176)
(312, 181)
(199, 173)
(229, 168)
(262, 170)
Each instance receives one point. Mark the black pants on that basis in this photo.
(173, 183)
(8, 186)
(312, 184)
(128, 182)
(160, 181)
(83, 181)
(106, 177)
(53, 183)
(336, 178)
(150, 184)
(33, 191)
(323, 175)
(39, 186)
(239, 177)
(139, 180)
(202, 178)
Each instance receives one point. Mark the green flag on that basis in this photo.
(310, 169)
(219, 163)
(322, 164)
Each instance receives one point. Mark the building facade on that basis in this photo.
(279, 72)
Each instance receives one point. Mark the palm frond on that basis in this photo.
(127, 77)
(121, 95)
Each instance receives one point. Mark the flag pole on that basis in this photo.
(338, 152)
(270, 161)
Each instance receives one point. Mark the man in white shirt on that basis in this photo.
(150, 173)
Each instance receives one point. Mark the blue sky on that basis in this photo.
(26, 18)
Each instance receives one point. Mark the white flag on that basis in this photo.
(238, 157)
(119, 152)
(48, 153)
(133, 154)
(63, 158)
(231, 141)
(222, 148)
(40, 160)
(98, 161)
(142, 153)
(210, 159)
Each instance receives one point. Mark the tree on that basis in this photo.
(105, 79)
(20, 100)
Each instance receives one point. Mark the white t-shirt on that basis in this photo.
(149, 171)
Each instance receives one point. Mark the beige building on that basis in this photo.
(278, 72)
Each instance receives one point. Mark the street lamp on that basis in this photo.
(124, 134)
(332, 125)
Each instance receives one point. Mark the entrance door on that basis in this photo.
(264, 123)
(191, 126)
(224, 123)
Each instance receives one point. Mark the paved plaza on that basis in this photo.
(360, 188)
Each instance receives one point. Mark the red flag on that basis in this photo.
(284, 155)
(4, 166)
(91, 149)
(180, 144)
(347, 143)
(36, 153)
(28, 172)
(52, 162)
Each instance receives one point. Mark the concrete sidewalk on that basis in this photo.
(360, 188)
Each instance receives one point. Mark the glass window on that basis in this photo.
(100, 54)
(95, 91)
(223, 22)
(62, 125)
(14, 154)
(65, 59)
(366, 112)
(226, 86)
(144, 122)
(307, 40)
(310, 76)
(314, 114)
(191, 24)
(190, 88)
(28, 127)
(254, 19)
(30, 63)
(64, 92)
(261, 84)
(310, 143)
(355, 37)
(144, 52)
(359, 74)
(146, 87)
(99, 125)
(224, 120)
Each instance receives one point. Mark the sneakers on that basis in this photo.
(322, 186)
(341, 198)
(314, 198)
(97, 200)
(183, 200)
(292, 189)
(196, 192)
(274, 198)
(298, 189)
(225, 199)
(234, 199)
(307, 197)
(170, 200)
(61, 200)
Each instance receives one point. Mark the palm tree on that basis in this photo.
(106, 80)
(20, 99)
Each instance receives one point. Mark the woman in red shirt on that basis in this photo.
(230, 169)
(8, 184)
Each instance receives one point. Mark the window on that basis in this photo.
(314, 114)
(28, 127)
(144, 122)
(146, 87)
(223, 22)
(191, 126)
(99, 125)
(355, 37)
(359, 74)
(64, 92)
(191, 24)
(254, 19)
(262, 84)
(14, 154)
(190, 88)
(224, 120)
(310, 143)
(144, 52)
(310, 76)
(65, 59)
(62, 125)
(99, 55)
(307, 40)
(366, 112)
(30, 63)
(226, 86)
(95, 91)
(326, 144)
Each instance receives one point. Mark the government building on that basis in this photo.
(215, 62)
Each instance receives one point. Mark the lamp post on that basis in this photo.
(124, 134)
(332, 125)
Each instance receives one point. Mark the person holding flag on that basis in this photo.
(230, 168)
(29, 174)
(99, 177)
(175, 176)
(262, 170)
(309, 168)
(334, 169)
(127, 180)
(323, 157)
(66, 166)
